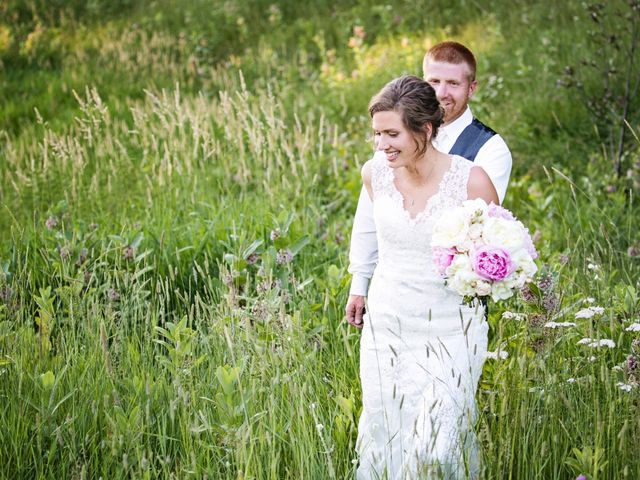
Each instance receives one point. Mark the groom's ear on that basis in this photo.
(472, 87)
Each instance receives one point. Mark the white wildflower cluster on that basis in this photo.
(634, 327)
(625, 387)
(559, 324)
(498, 355)
(513, 316)
(595, 343)
(589, 312)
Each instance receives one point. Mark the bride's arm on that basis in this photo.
(481, 186)
(366, 178)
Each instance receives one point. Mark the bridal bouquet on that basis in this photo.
(483, 250)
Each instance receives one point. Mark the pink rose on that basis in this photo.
(442, 258)
(492, 263)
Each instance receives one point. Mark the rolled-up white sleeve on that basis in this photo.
(495, 158)
(363, 253)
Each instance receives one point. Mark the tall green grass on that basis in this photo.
(175, 235)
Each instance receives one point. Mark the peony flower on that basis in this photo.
(442, 258)
(498, 231)
(451, 230)
(499, 212)
(501, 291)
(492, 263)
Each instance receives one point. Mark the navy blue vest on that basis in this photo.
(471, 140)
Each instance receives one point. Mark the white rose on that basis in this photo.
(476, 209)
(501, 232)
(526, 266)
(475, 230)
(483, 288)
(500, 291)
(462, 278)
(451, 229)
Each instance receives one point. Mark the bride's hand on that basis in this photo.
(355, 310)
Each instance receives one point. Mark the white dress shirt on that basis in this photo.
(494, 157)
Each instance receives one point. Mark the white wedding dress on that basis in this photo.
(422, 350)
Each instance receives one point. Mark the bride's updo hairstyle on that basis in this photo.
(416, 102)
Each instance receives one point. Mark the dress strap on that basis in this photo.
(457, 179)
(381, 176)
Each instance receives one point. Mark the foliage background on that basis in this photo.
(177, 186)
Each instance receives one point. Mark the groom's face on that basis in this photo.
(452, 84)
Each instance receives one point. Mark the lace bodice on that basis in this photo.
(401, 237)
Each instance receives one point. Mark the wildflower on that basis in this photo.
(625, 387)
(284, 256)
(513, 316)
(571, 380)
(589, 300)
(113, 295)
(550, 303)
(252, 259)
(593, 266)
(339, 237)
(634, 327)
(51, 223)
(263, 286)
(260, 310)
(611, 189)
(82, 257)
(5, 294)
(581, 477)
(632, 364)
(359, 32)
(633, 251)
(129, 252)
(595, 343)
(564, 259)
(64, 253)
(546, 282)
(320, 427)
(559, 324)
(275, 234)
(527, 294)
(536, 319)
(498, 355)
(589, 312)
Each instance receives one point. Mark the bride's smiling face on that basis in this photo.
(394, 139)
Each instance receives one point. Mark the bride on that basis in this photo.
(422, 349)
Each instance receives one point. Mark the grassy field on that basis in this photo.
(177, 185)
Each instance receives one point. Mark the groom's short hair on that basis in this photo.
(452, 52)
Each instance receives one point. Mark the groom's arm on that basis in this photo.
(363, 254)
(495, 158)
(363, 257)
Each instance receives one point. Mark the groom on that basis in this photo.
(450, 68)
